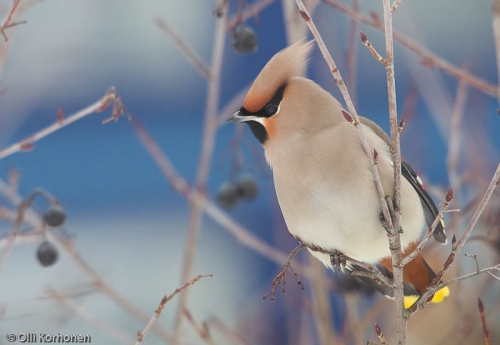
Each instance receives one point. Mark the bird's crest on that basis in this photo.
(289, 62)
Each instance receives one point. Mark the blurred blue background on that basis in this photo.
(126, 220)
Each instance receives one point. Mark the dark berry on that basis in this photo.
(247, 188)
(55, 216)
(227, 195)
(244, 40)
(46, 254)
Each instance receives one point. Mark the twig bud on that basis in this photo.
(363, 37)
(449, 195)
(304, 16)
(27, 146)
(401, 125)
(454, 243)
(378, 330)
(60, 116)
(375, 156)
(347, 116)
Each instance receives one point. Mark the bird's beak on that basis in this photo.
(238, 117)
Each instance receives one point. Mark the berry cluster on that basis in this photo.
(230, 193)
(47, 253)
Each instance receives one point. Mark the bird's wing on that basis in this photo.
(430, 209)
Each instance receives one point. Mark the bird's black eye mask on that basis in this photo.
(271, 108)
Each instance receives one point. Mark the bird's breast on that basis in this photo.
(327, 194)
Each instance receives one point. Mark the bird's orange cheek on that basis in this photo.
(270, 126)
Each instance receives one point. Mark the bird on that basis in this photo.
(323, 178)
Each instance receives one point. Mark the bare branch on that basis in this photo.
(206, 154)
(352, 54)
(88, 316)
(7, 23)
(432, 59)
(428, 235)
(180, 185)
(202, 329)
(281, 277)
(457, 247)
(189, 53)
(249, 12)
(372, 50)
(230, 334)
(470, 275)
(165, 299)
(475, 259)
(496, 32)
(110, 97)
(395, 6)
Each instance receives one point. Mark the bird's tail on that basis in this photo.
(417, 276)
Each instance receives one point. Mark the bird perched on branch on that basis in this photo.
(323, 177)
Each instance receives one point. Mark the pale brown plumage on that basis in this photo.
(322, 176)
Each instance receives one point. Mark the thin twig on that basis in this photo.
(110, 97)
(372, 50)
(474, 256)
(457, 247)
(428, 235)
(19, 219)
(187, 51)
(215, 323)
(97, 322)
(206, 154)
(494, 276)
(180, 185)
(281, 277)
(321, 305)
(496, 32)
(467, 276)
(249, 12)
(67, 247)
(161, 305)
(7, 23)
(352, 54)
(202, 330)
(432, 59)
(395, 6)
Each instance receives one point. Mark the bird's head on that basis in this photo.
(280, 100)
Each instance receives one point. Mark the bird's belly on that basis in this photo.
(356, 233)
(325, 218)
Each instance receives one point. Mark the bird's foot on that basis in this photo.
(338, 260)
(281, 277)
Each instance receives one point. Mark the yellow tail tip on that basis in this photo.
(438, 297)
(409, 300)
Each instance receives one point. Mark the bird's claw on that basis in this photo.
(338, 260)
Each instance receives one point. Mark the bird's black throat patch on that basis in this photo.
(258, 131)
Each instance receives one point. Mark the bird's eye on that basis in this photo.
(271, 108)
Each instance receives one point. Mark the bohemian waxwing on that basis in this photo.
(322, 176)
